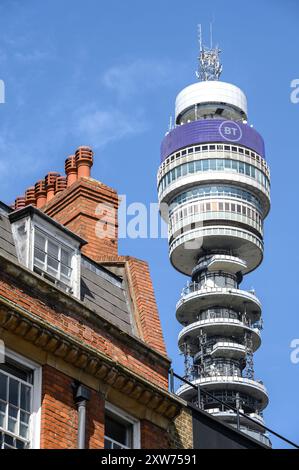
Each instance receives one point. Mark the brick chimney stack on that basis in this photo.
(84, 205)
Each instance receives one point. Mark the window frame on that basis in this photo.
(123, 415)
(35, 416)
(61, 246)
(23, 224)
(73, 288)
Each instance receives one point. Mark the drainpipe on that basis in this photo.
(81, 396)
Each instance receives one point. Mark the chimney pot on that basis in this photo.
(40, 193)
(50, 184)
(19, 202)
(84, 161)
(30, 196)
(60, 184)
(71, 170)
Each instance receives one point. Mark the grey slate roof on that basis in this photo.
(101, 290)
(103, 293)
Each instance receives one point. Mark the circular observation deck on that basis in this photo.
(188, 246)
(220, 262)
(254, 428)
(228, 327)
(230, 416)
(194, 300)
(243, 385)
(210, 97)
(226, 349)
(232, 170)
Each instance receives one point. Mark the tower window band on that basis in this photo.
(214, 164)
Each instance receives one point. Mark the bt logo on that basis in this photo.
(230, 130)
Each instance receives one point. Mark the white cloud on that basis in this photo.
(99, 127)
(92, 123)
(137, 77)
(25, 157)
(32, 56)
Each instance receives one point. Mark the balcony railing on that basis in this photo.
(262, 437)
(214, 370)
(214, 342)
(225, 314)
(201, 392)
(229, 284)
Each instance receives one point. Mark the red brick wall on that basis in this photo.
(95, 425)
(153, 437)
(84, 330)
(146, 306)
(89, 209)
(59, 417)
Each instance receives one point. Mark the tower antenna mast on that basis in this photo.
(209, 67)
(199, 37)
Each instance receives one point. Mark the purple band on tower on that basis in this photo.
(212, 130)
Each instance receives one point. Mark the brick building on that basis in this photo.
(86, 364)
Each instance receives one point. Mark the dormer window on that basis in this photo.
(47, 248)
(52, 260)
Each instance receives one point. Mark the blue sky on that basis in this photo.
(106, 74)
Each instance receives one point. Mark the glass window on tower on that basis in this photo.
(213, 164)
